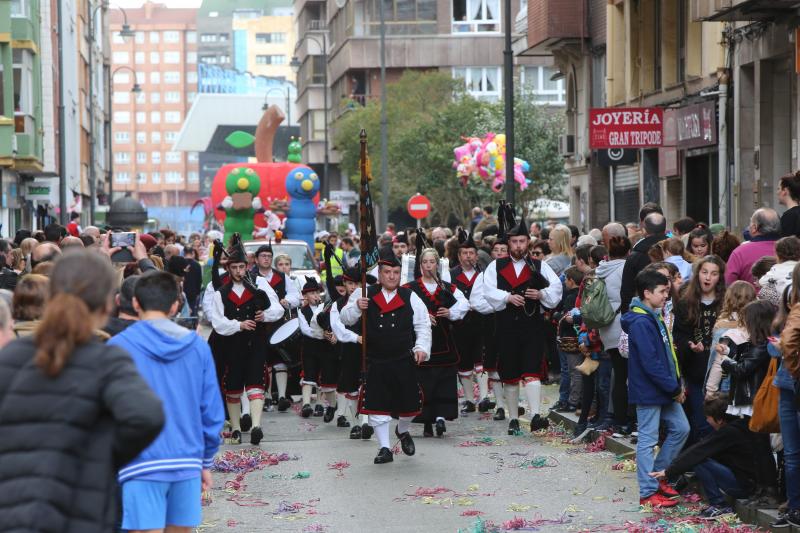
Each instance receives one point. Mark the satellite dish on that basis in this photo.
(340, 3)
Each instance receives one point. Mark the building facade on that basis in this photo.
(160, 62)
(264, 45)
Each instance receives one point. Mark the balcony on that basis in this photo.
(742, 10)
(552, 21)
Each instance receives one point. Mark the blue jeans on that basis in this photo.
(650, 417)
(790, 429)
(563, 387)
(718, 480)
(694, 412)
(604, 389)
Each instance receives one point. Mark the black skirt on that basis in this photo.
(391, 388)
(440, 393)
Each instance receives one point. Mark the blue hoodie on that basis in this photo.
(653, 373)
(177, 365)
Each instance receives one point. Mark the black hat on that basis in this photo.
(353, 274)
(388, 258)
(506, 220)
(338, 280)
(265, 248)
(400, 237)
(520, 230)
(311, 285)
(465, 240)
(177, 265)
(235, 251)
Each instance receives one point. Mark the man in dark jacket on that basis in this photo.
(723, 461)
(193, 280)
(654, 225)
(126, 314)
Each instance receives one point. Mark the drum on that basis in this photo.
(286, 341)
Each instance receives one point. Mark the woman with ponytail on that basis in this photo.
(72, 410)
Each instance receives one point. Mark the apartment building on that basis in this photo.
(264, 45)
(154, 81)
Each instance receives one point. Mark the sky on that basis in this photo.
(169, 3)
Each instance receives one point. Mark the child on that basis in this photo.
(654, 386)
(320, 364)
(570, 357)
(161, 488)
(675, 253)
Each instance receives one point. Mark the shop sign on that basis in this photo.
(626, 127)
(696, 125)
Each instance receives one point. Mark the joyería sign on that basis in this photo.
(626, 127)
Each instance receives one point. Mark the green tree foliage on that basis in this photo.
(428, 114)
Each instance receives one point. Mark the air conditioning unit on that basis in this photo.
(566, 145)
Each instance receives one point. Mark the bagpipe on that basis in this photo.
(236, 250)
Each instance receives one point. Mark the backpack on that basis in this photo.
(596, 310)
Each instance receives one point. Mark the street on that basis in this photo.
(476, 472)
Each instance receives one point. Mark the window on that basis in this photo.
(138, 57)
(481, 82)
(122, 117)
(155, 117)
(122, 77)
(122, 157)
(266, 38)
(223, 37)
(193, 177)
(270, 59)
(471, 16)
(140, 77)
(175, 36)
(208, 60)
(172, 117)
(172, 57)
(208, 37)
(190, 96)
(155, 37)
(172, 97)
(155, 58)
(141, 97)
(191, 57)
(403, 17)
(317, 69)
(155, 137)
(141, 117)
(122, 177)
(191, 36)
(193, 157)
(156, 177)
(141, 137)
(224, 58)
(122, 97)
(116, 38)
(122, 137)
(142, 177)
(23, 88)
(173, 177)
(139, 37)
(191, 77)
(317, 125)
(141, 157)
(171, 136)
(536, 80)
(244, 14)
(155, 97)
(213, 14)
(155, 77)
(120, 58)
(173, 157)
(172, 76)
(155, 157)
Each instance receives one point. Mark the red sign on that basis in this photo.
(626, 127)
(419, 206)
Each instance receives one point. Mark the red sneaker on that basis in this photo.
(666, 490)
(657, 500)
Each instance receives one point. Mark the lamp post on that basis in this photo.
(288, 106)
(508, 86)
(126, 31)
(295, 64)
(135, 89)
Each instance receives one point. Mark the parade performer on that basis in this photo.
(238, 306)
(289, 298)
(320, 363)
(516, 287)
(469, 332)
(398, 339)
(446, 305)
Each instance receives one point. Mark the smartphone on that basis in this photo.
(123, 239)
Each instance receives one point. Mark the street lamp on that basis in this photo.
(288, 107)
(295, 64)
(135, 89)
(126, 31)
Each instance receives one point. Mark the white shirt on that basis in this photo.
(208, 298)
(422, 321)
(312, 329)
(292, 292)
(460, 308)
(225, 326)
(498, 299)
(342, 333)
(477, 300)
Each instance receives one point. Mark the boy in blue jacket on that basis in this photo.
(654, 386)
(163, 485)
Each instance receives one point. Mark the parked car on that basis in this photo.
(303, 262)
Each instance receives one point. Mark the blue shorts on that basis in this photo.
(157, 504)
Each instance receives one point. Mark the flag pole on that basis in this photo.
(363, 244)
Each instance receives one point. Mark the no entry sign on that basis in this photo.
(418, 206)
(626, 127)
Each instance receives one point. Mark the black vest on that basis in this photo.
(390, 327)
(238, 307)
(340, 303)
(278, 282)
(507, 280)
(461, 281)
(442, 348)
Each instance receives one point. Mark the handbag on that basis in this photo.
(566, 344)
(765, 404)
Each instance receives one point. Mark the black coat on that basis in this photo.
(64, 438)
(747, 370)
(634, 264)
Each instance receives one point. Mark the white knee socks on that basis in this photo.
(256, 398)
(381, 425)
(281, 378)
(245, 404)
(403, 424)
(483, 384)
(466, 384)
(307, 394)
(330, 398)
(235, 412)
(512, 400)
(497, 388)
(533, 393)
(341, 404)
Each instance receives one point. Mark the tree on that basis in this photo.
(428, 113)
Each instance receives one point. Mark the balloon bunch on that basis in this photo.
(484, 159)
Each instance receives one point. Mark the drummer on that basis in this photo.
(289, 298)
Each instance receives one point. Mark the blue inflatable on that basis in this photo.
(302, 185)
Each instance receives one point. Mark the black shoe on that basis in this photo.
(440, 428)
(283, 404)
(342, 422)
(781, 523)
(558, 405)
(484, 405)
(366, 431)
(406, 442)
(538, 423)
(319, 410)
(306, 411)
(236, 437)
(513, 427)
(568, 409)
(427, 430)
(355, 432)
(384, 456)
(500, 414)
(469, 407)
(245, 423)
(520, 411)
(256, 435)
(330, 412)
(793, 517)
